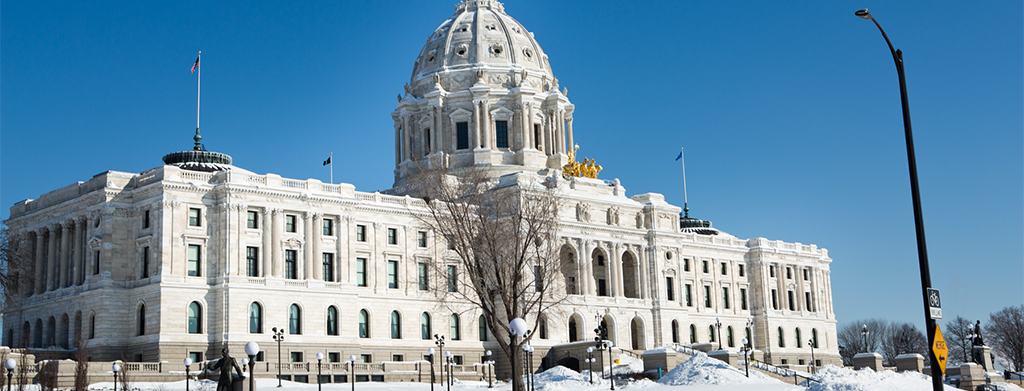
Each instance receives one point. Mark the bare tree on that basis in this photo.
(23, 366)
(82, 365)
(902, 338)
(1005, 332)
(127, 373)
(955, 333)
(852, 340)
(502, 244)
(15, 271)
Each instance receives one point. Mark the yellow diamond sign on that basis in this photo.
(940, 350)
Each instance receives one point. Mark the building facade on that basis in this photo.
(198, 253)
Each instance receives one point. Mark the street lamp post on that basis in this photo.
(9, 364)
(252, 349)
(922, 248)
(117, 368)
(439, 341)
(746, 355)
(319, 359)
(487, 367)
(430, 352)
(750, 333)
(611, 363)
(188, 363)
(603, 343)
(864, 331)
(718, 326)
(813, 366)
(279, 337)
(352, 362)
(590, 364)
(517, 327)
(448, 362)
(971, 336)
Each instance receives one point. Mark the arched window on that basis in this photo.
(799, 343)
(364, 324)
(542, 328)
(711, 333)
(456, 328)
(814, 338)
(675, 331)
(142, 320)
(483, 328)
(729, 338)
(396, 325)
(195, 318)
(92, 325)
(255, 318)
(294, 319)
(332, 320)
(782, 338)
(425, 329)
(693, 333)
(573, 330)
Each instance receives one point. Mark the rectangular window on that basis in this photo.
(421, 239)
(775, 299)
(361, 271)
(252, 266)
(392, 236)
(704, 265)
(536, 136)
(252, 220)
(289, 223)
(602, 287)
(334, 357)
(421, 276)
(742, 272)
(538, 279)
(393, 274)
(792, 303)
(707, 296)
(743, 299)
(453, 278)
(96, 262)
(366, 358)
(789, 273)
(194, 217)
(805, 275)
(771, 271)
(686, 264)
(196, 356)
(462, 135)
(328, 227)
(600, 260)
(457, 360)
(501, 134)
(291, 270)
(571, 282)
(194, 260)
(807, 301)
(669, 292)
(145, 219)
(296, 357)
(689, 295)
(725, 268)
(328, 266)
(360, 233)
(397, 357)
(725, 297)
(145, 262)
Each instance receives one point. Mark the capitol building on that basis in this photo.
(199, 253)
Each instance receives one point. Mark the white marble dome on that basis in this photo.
(480, 36)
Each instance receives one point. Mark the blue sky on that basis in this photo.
(789, 113)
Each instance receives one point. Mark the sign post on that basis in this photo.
(940, 350)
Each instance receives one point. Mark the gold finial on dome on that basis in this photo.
(587, 169)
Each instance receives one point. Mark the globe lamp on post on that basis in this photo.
(430, 352)
(10, 364)
(517, 327)
(352, 361)
(117, 368)
(319, 359)
(252, 349)
(188, 363)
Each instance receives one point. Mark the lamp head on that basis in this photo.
(743, 341)
(245, 362)
(488, 352)
(430, 351)
(187, 361)
(590, 349)
(252, 348)
(116, 368)
(10, 364)
(352, 358)
(448, 354)
(319, 356)
(863, 14)
(274, 329)
(517, 326)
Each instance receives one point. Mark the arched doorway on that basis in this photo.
(600, 266)
(636, 331)
(576, 328)
(570, 362)
(609, 323)
(570, 268)
(630, 276)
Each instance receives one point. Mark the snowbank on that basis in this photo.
(834, 378)
(561, 378)
(704, 370)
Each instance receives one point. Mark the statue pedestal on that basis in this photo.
(983, 356)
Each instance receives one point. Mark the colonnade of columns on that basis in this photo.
(616, 270)
(59, 254)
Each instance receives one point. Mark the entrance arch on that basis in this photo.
(570, 362)
(630, 276)
(570, 267)
(576, 328)
(600, 265)
(636, 331)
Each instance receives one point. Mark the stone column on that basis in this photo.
(641, 262)
(40, 261)
(51, 257)
(398, 144)
(405, 137)
(63, 254)
(619, 286)
(546, 129)
(474, 133)
(275, 252)
(77, 256)
(265, 252)
(588, 268)
(318, 230)
(570, 132)
(307, 219)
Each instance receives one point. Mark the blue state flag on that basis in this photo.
(680, 156)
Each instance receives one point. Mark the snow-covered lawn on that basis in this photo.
(700, 373)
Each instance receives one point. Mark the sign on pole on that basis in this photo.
(940, 349)
(934, 304)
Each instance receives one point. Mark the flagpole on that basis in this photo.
(199, 83)
(682, 162)
(332, 167)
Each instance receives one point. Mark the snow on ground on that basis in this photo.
(834, 378)
(703, 370)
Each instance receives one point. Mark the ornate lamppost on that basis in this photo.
(602, 343)
(319, 359)
(915, 192)
(517, 328)
(279, 337)
(749, 327)
(352, 362)
(971, 335)
(718, 326)
(188, 363)
(814, 368)
(590, 364)
(746, 355)
(10, 364)
(439, 342)
(252, 349)
(487, 363)
(864, 331)
(448, 358)
(430, 352)
(117, 368)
